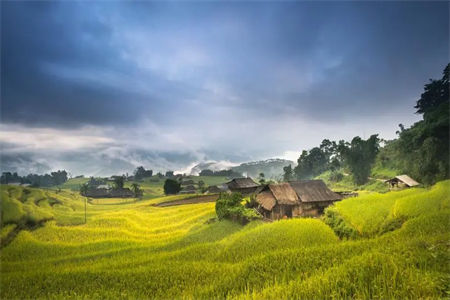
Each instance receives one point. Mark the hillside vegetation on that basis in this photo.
(392, 245)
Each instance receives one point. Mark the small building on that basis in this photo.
(278, 200)
(121, 193)
(295, 198)
(215, 189)
(244, 185)
(187, 182)
(109, 193)
(189, 189)
(402, 181)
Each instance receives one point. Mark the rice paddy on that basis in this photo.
(133, 250)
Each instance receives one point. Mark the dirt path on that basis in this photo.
(193, 200)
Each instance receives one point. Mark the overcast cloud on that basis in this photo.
(102, 87)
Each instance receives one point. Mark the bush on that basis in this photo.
(171, 187)
(229, 206)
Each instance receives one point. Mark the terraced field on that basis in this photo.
(128, 249)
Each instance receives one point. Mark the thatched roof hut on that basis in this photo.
(274, 194)
(314, 191)
(187, 182)
(295, 198)
(189, 189)
(213, 189)
(404, 180)
(244, 185)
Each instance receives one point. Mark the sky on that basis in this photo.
(99, 88)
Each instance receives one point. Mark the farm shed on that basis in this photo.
(122, 193)
(109, 193)
(402, 181)
(213, 189)
(295, 198)
(189, 189)
(187, 182)
(278, 200)
(243, 185)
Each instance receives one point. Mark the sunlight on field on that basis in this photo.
(132, 249)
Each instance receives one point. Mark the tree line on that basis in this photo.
(421, 151)
(35, 180)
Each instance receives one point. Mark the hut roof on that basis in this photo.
(406, 180)
(239, 183)
(313, 191)
(284, 193)
(187, 182)
(266, 199)
(189, 188)
(213, 189)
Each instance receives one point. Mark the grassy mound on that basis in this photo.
(285, 234)
(372, 214)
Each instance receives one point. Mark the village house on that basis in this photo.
(295, 198)
(215, 189)
(245, 185)
(105, 191)
(187, 182)
(189, 189)
(402, 181)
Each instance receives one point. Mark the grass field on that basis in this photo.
(131, 249)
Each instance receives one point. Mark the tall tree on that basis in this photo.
(119, 182)
(288, 173)
(360, 156)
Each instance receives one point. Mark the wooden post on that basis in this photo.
(85, 216)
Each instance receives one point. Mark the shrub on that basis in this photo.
(171, 187)
(229, 206)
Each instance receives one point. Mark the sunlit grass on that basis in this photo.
(135, 250)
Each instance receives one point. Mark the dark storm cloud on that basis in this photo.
(66, 63)
(179, 77)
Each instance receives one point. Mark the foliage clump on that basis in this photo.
(229, 206)
(171, 186)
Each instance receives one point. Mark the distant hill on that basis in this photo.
(272, 168)
(211, 165)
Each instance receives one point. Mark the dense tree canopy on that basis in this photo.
(141, 173)
(360, 157)
(171, 187)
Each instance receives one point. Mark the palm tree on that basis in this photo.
(136, 190)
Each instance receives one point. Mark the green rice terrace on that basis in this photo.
(375, 246)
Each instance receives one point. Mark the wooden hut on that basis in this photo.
(189, 189)
(244, 185)
(213, 189)
(295, 198)
(278, 200)
(314, 196)
(187, 182)
(122, 193)
(402, 181)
